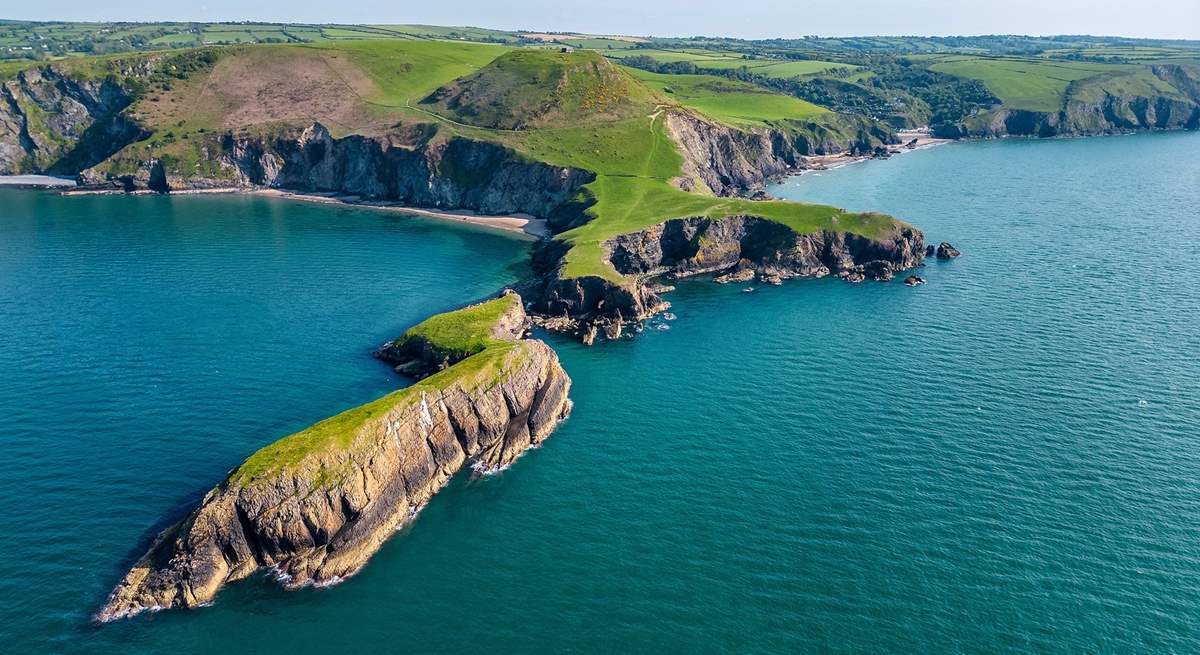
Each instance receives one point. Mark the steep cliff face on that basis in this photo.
(53, 122)
(412, 167)
(315, 506)
(1092, 107)
(740, 247)
(730, 160)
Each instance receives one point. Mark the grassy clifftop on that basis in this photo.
(482, 359)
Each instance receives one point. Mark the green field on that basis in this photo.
(729, 101)
(720, 60)
(23, 40)
(1032, 84)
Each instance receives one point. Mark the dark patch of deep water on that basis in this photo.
(1003, 460)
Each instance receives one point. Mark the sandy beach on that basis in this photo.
(36, 181)
(523, 224)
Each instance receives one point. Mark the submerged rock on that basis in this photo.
(914, 280)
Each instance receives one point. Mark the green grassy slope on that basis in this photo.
(1032, 84)
(467, 332)
(728, 60)
(534, 88)
(462, 332)
(729, 101)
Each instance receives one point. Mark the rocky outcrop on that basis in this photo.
(947, 251)
(315, 506)
(730, 160)
(54, 122)
(414, 167)
(418, 353)
(741, 247)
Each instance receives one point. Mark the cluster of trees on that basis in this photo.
(901, 91)
(950, 98)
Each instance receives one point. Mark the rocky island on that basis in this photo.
(316, 505)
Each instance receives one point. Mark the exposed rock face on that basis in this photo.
(741, 246)
(410, 167)
(320, 518)
(53, 122)
(1104, 113)
(730, 160)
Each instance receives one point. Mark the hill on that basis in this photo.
(529, 89)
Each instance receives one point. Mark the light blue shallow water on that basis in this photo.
(1004, 460)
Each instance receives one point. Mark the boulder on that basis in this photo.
(947, 251)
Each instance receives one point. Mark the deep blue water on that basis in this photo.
(1006, 459)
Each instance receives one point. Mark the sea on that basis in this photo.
(1003, 460)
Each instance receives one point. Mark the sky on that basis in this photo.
(740, 18)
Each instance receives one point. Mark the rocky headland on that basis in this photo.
(315, 506)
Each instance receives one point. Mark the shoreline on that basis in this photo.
(918, 139)
(523, 225)
(36, 181)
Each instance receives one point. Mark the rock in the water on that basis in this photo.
(947, 251)
(914, 280)
(744, 272)
(930, 250)
(588, 337)
(878, 269)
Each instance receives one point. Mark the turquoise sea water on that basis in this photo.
(1004, 460)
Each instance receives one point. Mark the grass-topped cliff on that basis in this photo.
(469, 348)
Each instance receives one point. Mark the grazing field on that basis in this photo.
(729, 101)
(779, 69)
(720, 60)
(25, 40)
